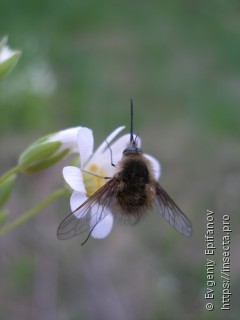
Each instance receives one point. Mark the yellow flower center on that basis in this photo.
(93, 178)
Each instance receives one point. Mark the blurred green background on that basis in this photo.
(82, 62)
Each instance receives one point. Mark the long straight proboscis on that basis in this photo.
(131, 129)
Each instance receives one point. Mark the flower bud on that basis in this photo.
(8, 58)
(48, 150)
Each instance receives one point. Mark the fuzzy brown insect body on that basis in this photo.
(135, 192)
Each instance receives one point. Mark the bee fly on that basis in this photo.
(128, 195)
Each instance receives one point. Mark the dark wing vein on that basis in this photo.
(171, 212)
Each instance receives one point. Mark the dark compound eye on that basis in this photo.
(132, 149)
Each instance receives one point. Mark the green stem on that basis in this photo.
(9, 173)
(29, 214)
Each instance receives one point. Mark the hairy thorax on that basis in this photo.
(135, 193)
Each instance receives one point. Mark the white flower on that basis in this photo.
(8, 57)
(6, 53)
(98, 163)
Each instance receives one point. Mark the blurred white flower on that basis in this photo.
(8, 58)
(99, 164)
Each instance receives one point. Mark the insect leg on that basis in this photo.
(96, 175)
(110, 154)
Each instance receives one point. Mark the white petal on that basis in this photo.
(77, 198)
(120, 144)
(6, 53)
(118, 147)
(73, 177)
(103, 228)
(155, 164)
(85, 145)
(104, 163)
(104, 145)
(104, 159)
(67, 137)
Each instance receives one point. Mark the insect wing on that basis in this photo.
(171, 212)
(88, 214)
